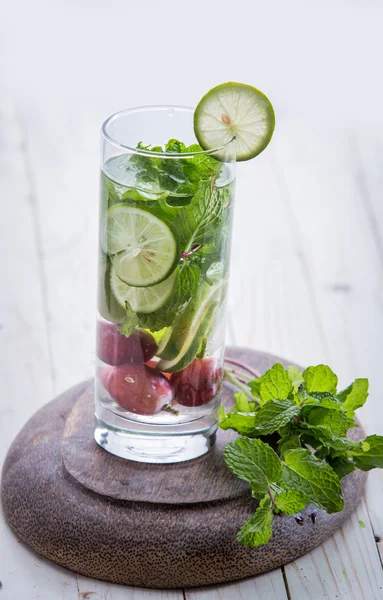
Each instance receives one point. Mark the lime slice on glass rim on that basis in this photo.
(235, 109)
(141, 299)
(143, 248)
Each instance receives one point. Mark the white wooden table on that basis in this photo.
(307, 268)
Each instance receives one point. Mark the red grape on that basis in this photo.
(139, 388)
(114, 348)
(197, 384)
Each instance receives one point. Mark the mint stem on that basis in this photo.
(190, 252)
(243, 366)
(271, 496)
(241, 386)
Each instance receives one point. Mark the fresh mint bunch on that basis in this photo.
(183, 193)
(174, 177)
(294, 448)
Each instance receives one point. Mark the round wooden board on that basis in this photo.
(145, 525)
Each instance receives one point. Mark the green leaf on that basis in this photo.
(323, 398)
(323, 435)
(275, 384)
(255, 386)
(257, 531)
(291, 502)
(354, 396)
(242, 424)
(314, 478)
(342, 466)
(296, 377)
(330, 401)
(130, 321)
(158, 335)
(368, 454)
(274, 414)
(289, 441)
(265, 502)
(336, 421)
(320, 379)
(198, 223)
(255, 462)
(174, 145)
(242, 403)
(362, 524)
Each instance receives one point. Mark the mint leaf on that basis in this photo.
(130, 321)
(354, 396)
(242, 424)
(368, 454)
(342, 466)
(314, 478)
(274, 414)
(174, 145)
(242, 403)
(291, 502)
(290, 439)
(312, 434)
(257, 531)
(336, 421)
(275, 384)
(296, 377)
(255, 462)
(255, 386)
(198, 222)
(327, 401)
(320, 379)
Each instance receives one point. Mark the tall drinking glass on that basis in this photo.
(166, 212)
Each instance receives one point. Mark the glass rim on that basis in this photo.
(165, 155)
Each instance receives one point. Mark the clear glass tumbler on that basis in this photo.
(166, 212)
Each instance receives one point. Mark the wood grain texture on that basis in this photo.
(269, 586)
(91, 589)
(135, 542)
(341, 275)
(24, 351)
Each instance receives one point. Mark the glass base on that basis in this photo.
(155, 449)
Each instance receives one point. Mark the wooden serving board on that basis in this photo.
(146, 525)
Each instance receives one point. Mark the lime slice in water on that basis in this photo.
(143, 247)
(108, 306)
(235, 109)
(141, 299)
(189, 328)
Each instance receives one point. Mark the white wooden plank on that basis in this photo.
(269, 586)
(342, 258)
(333, 233)
(345, 566)
(26, 381)
(373, 496)
(67, 192)
(293, 294)
(365, 155)
(91, 589)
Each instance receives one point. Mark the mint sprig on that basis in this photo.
(294, 448)
(182, 192)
